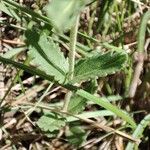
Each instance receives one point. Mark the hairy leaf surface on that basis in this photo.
(100, 65)
(46, 55)
(51, 122)
(63, 13)
(77, 104)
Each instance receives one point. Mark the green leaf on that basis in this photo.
(92, 114)
(107, 105)
(5, 9)
(100, 66)
(51, 122)
(77, 104)
(8, 11)
(29, 69)
(76, 135)
(14, 51)
(46, 55)
(30, 13)
(139, 131)
(63, 13)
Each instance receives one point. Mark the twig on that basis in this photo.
(140, 3)
(89, 121)
(137, 73)
(31, 93)
(13, 42)
(41, 98)
(140, 54)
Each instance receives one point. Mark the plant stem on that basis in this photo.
(107, 105)
(79, 92)
(19, 73)
(73, 41)
(140, 54)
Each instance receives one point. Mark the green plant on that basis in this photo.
(48, 62)
(139, 131)
(59, 74)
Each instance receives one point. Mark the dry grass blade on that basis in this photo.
(89, 121)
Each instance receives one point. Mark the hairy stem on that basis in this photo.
(73, 41)
(82, 93)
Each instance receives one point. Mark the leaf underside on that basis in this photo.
(63, 13)
(100, 66)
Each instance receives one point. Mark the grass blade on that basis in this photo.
(107, 106)
(31, 70)
(139, 131)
